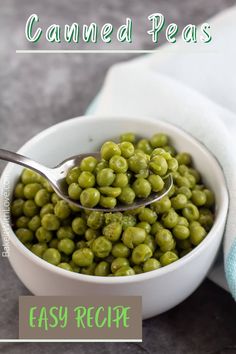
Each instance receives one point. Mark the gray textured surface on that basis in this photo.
(38, 91)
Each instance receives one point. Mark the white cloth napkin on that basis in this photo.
(192, 86)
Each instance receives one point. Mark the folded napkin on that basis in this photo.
(192, 86)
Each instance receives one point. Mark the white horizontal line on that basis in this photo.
(68, 340)
(83, 51)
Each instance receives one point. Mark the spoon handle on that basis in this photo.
(23, 161)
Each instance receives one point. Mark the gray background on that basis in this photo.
(37, 91)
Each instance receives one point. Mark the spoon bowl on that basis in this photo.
(56, 177)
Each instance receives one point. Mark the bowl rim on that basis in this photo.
(221, 217)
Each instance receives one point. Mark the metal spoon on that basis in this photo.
(56, 177)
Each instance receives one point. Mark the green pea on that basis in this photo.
(168, 258)
(183, 170)
(127, 195)
(161, 206)
(109, 149)
(47, 186)
(107, 202)
(90, 197)
(144, 145)
(74, 191)
(118, 164)
(128, 221)
(86, 179)
(121, 180)
(110, 191)
(91, 234)
(181, 232)
(133, 236)
(17, 207)
(143, 174)
(156, 227)
(24, 235)
(95, 220)
(39, 248)
(62, 210)
(90, 270)
(120, 250)
(88, 164)
(151, 264)
(66, 266)
(130, 137)
(55, 198)
(50, 222)
(102, 269)
(158, 165)
(148, 215)
(118, 263)
(66, 245)
(156, 182)
(190, 212)
(112, 231)
(127, 149)
(179, 202)
(198, 197)
(184, 190)
(101, 247)
(197, 234)
(150, 241)
(31, 189)
(182, 181)
(210, 199)
(47, 209)
(51, 255)
(182, 221)
(184, 158)
(22, 222)
(170, 149)
(19, 190)
(144, 225)
(158, 140)
(141, 253)
(142, 188)
(34, 223)
(83, 257)
(137, 163)
(65, 232)
(124, 271)
(30, 209)
(161, 152)
(79, 226)
(73, 175)
(206, 219)
(43, 235)
(170, 218)
(195, 174)
(165, 240)
(100, 166)
(105, 177)
(29, 176)
(172, 165)
(42, 197)
(54, 243)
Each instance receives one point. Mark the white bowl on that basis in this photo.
(161, 289)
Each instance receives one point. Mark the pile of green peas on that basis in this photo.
(128, 170)
(115, 243)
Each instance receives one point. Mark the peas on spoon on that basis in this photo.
(56, 177)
